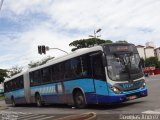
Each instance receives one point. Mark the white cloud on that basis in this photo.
(23, 48)
(130, 20)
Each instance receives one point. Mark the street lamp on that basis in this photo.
(95, 32)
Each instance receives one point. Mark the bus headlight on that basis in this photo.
(115, 90)
(143, 85)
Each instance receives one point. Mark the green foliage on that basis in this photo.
(38, 63)
(121, 41)
(84, 43)
(1, 97)
(3, 74)
(152, 61)
(158, 64)
(14, 70)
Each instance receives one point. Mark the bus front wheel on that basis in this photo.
(38, 100)
(79, 100)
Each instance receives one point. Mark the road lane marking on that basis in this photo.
(26, 116)
(39, 116)
(151, 112)
(45, 118)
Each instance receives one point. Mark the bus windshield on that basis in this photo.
(124, 66)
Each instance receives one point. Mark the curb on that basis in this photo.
(3, 108)
(85, 116)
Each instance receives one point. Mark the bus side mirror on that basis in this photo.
(142, 63)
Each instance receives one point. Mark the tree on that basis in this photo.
(84, 43)
(14, 70)
(3, 75)
(38, 63)
(121, 41)
(152, 61)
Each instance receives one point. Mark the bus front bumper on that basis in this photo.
(121, 97)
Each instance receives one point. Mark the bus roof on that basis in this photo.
(68, 56)
(15, 76)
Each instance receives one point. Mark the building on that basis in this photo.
(149, 52)
(157, 53)
(141, 51)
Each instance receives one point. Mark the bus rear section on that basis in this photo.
(14, 91)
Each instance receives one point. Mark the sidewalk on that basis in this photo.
(3, 105)
(153, 77)
(3, 108)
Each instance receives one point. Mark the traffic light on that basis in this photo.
(40, 49)
(43, 49)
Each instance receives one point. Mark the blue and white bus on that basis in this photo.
(103, 74)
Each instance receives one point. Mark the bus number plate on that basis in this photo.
(132, 97)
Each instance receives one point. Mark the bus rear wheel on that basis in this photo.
(79, 100)
(38, 100)
(13, 102)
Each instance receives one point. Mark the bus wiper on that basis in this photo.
(128, 66)
(127, 63)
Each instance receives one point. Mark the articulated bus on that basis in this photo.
(103, 74)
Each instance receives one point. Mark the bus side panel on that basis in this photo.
(48, 93)
(86, 85)
(18, 96)
(101, 90)
(8, 97)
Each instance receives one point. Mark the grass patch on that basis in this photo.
(1, 97)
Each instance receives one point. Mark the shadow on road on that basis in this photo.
(95, 107)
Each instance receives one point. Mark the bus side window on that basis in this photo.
(6, 87)
(55, 72)
(20, 80)
(68, 73)
(35, 78)
(61, 71)
(86, 68)
(46, 75)
(76, 68)
(97, 66)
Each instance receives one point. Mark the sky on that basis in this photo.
(25, 24)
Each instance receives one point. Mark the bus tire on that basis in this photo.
(79, 99)
(13, 102)
(38, 100)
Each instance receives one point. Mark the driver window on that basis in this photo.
(98, 69)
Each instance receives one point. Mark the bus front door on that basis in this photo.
(99, 77)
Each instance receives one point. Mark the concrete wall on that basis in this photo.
(141, 52)
(149, 52)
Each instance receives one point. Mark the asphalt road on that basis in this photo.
(149, 104)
